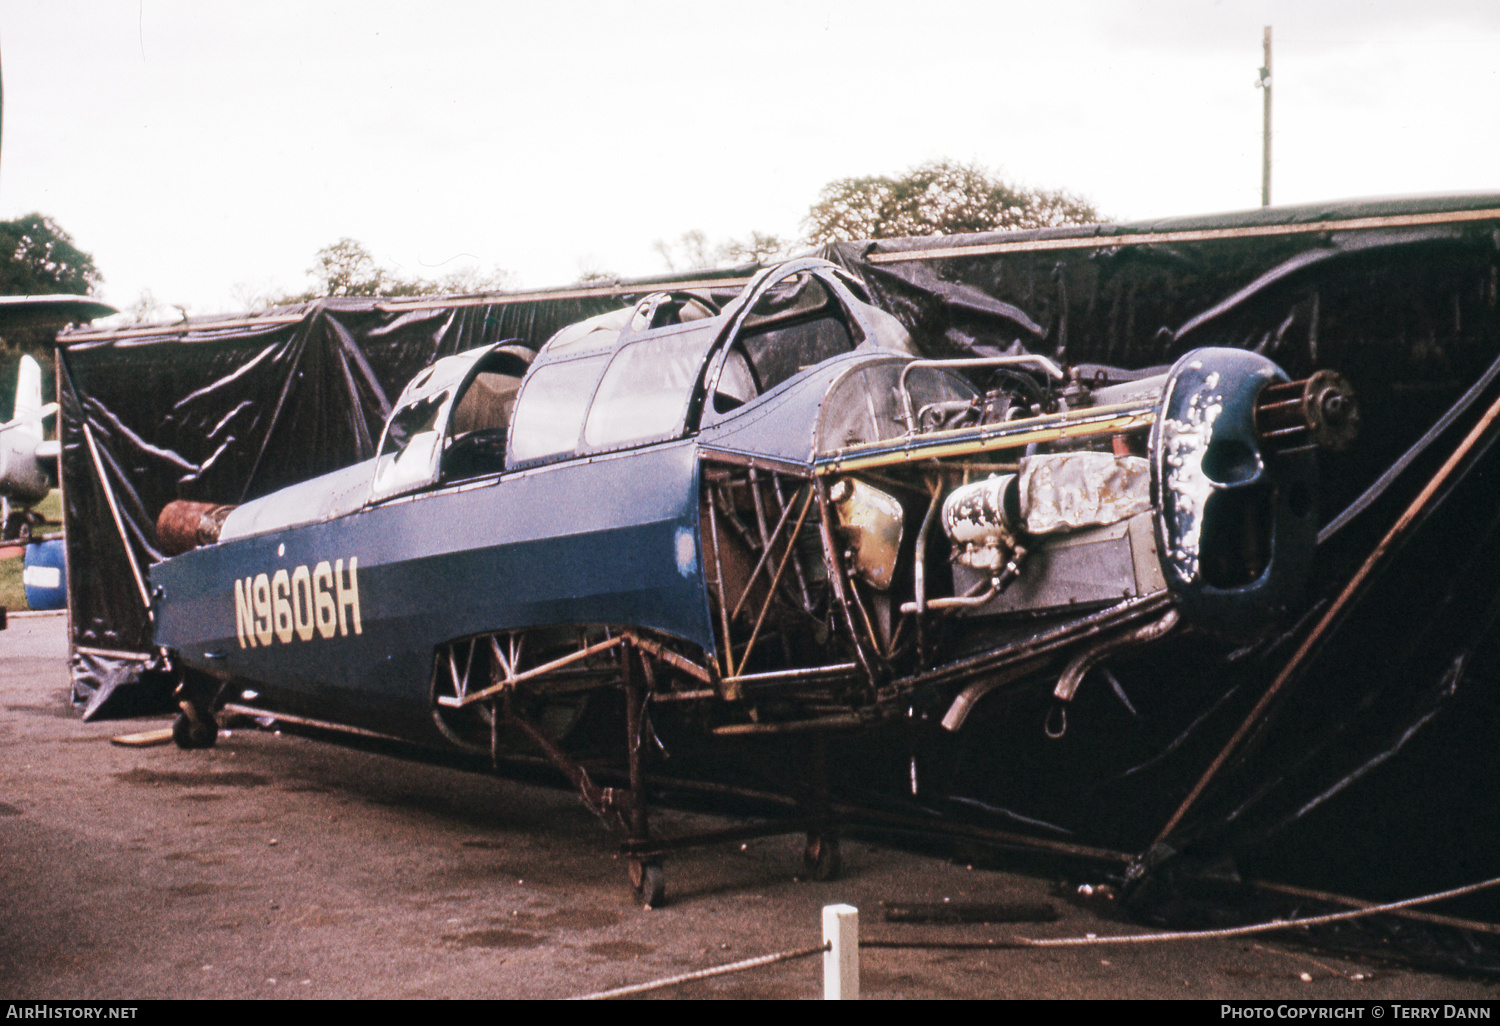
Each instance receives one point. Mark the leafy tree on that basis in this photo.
(940, 197)
(588, 274)
(346, 268)
(464, 280)
(38, 258)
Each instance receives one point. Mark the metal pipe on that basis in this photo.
(235, 709)
(59, 375)
(506, 665)
(962, 601)
(991, 361)
(864, 614)
(732, 518)
(796, 559)
(635, 719)
(965, 701)
(713, 530)
(1115, 419)
(760, 506)
(760, 521)
(1079, 667)
(114, 511)
(701, 695)
(601, 801)
(1404, 913)
(1044, 642)
(1335, 611)
(836, 577)
(535, 671)
(832, 670)
(846, 721)
(919, 566)
(672, 659)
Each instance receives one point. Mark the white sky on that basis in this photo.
(201, 149)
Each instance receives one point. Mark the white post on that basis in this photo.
(841, 960)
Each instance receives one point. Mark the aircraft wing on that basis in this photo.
(61, 309)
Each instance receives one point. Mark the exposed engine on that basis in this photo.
(1041, 505)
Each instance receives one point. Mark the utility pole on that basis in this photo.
(1265, 158)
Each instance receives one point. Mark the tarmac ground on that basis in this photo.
(280, 865)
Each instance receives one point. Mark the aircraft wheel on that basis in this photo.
(649, 881)
(822, 859)
(17, 526)
(190, 734)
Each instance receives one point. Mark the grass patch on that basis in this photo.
(12, 590)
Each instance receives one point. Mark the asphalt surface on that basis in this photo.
(277, 865)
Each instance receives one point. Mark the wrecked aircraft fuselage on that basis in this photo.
(764, 519)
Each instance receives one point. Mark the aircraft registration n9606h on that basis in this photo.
(756, 520)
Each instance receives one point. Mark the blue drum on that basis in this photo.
(46, 575)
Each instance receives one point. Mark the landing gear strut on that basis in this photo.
(821, 859)
(628, 809)
(195, 726)
(649, 880)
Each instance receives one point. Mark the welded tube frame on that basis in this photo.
(796, 559)
(601, 801)
(727, 661)
(765, 555)
(536, 671)
(771, 590)
(838, 578)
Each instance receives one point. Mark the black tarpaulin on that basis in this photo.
(1381, 735)
(1370, 771)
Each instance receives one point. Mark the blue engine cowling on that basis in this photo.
(1236, 526)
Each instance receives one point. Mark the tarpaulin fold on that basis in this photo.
(1400, 296)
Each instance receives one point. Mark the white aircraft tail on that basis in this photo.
(22, 476)
(28, 398)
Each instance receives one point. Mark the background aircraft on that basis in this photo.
(28, 460)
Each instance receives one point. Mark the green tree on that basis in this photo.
(940, 197)
(346, 268)
(38, 258)
(467, 280)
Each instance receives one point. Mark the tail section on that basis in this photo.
(23, 478)
(29, 398)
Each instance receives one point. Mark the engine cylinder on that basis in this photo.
(185, 525)
(979, 519)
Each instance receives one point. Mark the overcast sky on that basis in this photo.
(207, 150)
